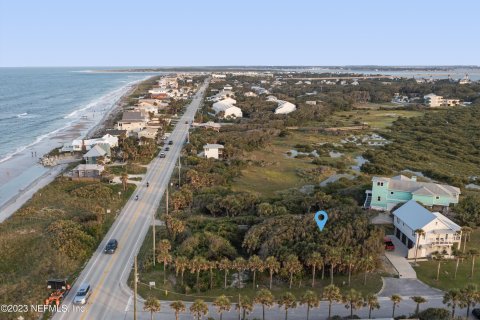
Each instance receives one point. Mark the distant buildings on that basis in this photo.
(440, 234)
(284, 107)
(226, 109)
(214, 151)
(434, 101)
(386, 193)
(465, 80)
(311, 102)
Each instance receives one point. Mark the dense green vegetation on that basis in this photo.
(444, 146)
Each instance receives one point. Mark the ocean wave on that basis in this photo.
(107, 101)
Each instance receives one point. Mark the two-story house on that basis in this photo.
(439, 234)
(386, 193)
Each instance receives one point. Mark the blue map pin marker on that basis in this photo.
(321, 218)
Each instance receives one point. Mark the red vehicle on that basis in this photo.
(59, 288)
(389, 246)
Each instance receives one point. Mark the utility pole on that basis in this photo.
(153, 233)
(167, 201)
(135, 276)
(179, 170)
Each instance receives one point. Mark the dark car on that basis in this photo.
(170, 142)
(186, 122)
(476, 313)
(111, 246)
(167, 149)
(162, 155)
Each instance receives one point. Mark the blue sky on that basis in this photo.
(243, 32)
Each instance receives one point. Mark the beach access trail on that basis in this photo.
(108, 274)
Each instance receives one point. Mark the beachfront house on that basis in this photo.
(99, 151)
(87, 172)
(284, 107)
(440, 234)
(81, 145)
(214, 151)
(386, 193)
(227, 109)
(132, 121)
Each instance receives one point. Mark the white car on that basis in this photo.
(83, 294)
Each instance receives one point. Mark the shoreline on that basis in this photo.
(31, 176)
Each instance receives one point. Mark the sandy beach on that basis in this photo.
(22, 175)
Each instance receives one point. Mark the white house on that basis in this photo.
(227, 107)
(213, 151)
(432, 100)
(284, 107)
(87, 144)
(132, 121)
(311, 102)
(440, 233)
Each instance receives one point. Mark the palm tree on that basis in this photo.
(245, 306)
(265, 298)
(372, 303)
(466, 231)
(469, 296)
(197, 265)
(223, 305)
(395, 300)
(315, 261)
(152, 305)
(178, 306)
(353, 300)
(418, 300)
(164, 256)
(211, 265)
(255, 264)
(333, 258)
(225, 265)
(181, 264)
(311, 300)
(288, 301)
(331, 293)
(368, 264)
(419, 233)
(292, 265)
(240, 265)
(273, 266)
(350, 258)
(452, 298)
(473, 253)
(124, 179)
(459, 255)
(439, 257)
(199, 309)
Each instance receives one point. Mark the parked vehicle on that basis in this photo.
(83, 294)
(389, 246)
(59, 288)
(162, 155)
(111, 246)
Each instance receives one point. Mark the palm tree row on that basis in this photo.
(347, 261)
(352, 299)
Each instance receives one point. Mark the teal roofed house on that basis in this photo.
(386, 193)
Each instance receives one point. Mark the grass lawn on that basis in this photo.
(278, 171)
(427, 271)
(129, 168)
(376, 119)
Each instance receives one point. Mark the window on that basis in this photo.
(398, 220)
(437, 197)
(391, 192)
(379, 198)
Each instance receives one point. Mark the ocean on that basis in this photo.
(43, 108)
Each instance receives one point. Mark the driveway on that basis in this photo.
(398, 260)
(407, 288)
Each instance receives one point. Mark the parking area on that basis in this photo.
(398, 260)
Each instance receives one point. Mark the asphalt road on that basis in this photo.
(108, 274)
